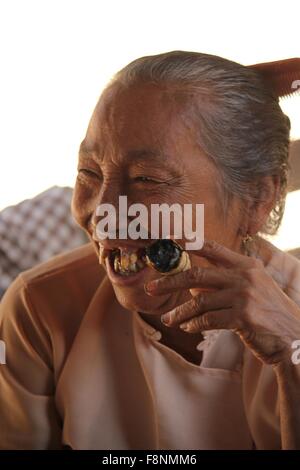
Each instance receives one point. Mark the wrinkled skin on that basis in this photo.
(141, 143)
(245, 299)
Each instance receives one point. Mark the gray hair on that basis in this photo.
(243, 128)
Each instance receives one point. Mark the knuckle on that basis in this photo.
(259, 264)
(252, 262)
(199, 302)
(196, 323)
(171, 282)
(194, 275)
(253, 274)
(213, 246)
(165, 283)
(247, 294)
(207, 321)
(177, 314)
(183, 312)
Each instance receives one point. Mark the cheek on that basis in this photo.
(220, 225)
(84, 202)
(225, 229)
(222, 232)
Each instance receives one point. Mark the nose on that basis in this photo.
(108, 197)
(112, 204)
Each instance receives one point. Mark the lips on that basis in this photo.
(124, 260)
(164, 256)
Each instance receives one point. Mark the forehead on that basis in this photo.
(143, 116)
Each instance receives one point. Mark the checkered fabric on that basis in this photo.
(35, 230)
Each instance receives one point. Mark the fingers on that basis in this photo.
(194, 277)
(200, 304)
(221, 254)
(213, 320)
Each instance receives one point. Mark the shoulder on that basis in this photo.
(45, 304)
(58, 266)
(66, 280)
(66, 283)
(282, 266)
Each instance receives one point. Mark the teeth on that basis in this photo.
(103, 252)
(140, 263)
(116, 264)
(133, 258)
(127, 262)
(133, 268)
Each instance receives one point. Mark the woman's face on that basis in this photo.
(140, 143)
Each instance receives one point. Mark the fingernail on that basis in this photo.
(184, 326)
(166, 318)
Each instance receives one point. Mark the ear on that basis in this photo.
(266, 197)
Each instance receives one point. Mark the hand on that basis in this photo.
(245, 299)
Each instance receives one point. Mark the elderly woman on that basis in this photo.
(99, 356)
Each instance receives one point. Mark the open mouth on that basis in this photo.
(164, 256)
(125, 261)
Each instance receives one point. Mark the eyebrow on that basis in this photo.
(84, 150)
(146, 154)
(138, 156)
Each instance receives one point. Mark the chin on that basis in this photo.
(136, 299)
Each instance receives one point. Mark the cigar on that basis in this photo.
(167, 257)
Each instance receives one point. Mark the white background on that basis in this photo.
(56, 56)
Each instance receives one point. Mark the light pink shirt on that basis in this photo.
(85, 372)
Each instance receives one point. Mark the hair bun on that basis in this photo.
(282, 75)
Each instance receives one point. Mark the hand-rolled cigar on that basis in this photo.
(167, 257)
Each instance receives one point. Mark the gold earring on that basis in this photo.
(246, 241)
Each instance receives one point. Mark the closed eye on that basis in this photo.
(146, 179)
(89, 173)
